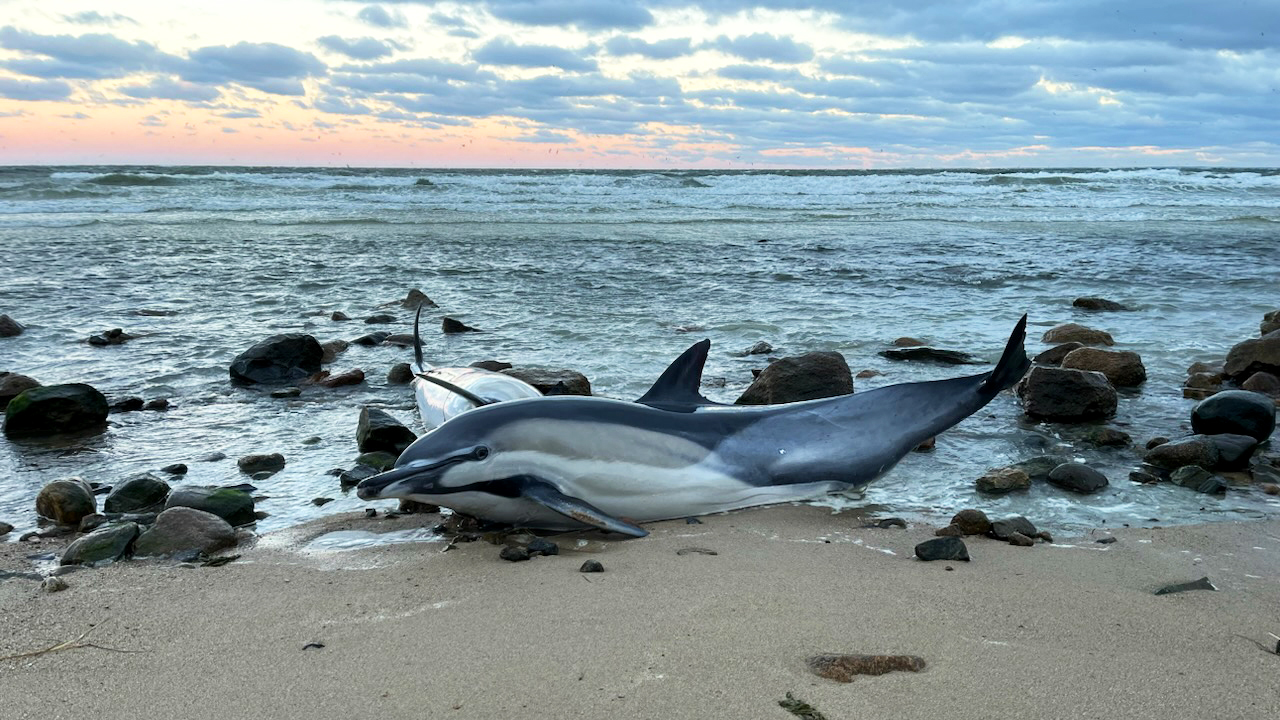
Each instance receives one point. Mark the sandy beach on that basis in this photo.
(1070, 629)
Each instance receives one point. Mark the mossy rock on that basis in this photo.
(111, 542)
(138, 493)
(54, 409)
(234, 506)
(66, 501)
(379, 460)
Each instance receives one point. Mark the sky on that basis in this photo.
(642, 83)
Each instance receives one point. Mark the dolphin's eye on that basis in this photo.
(481, 452)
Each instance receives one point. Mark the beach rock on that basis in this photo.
(844, 668)
(107, 543)
(450, 326)
(269, 462)
(1234, 451)
(10, 327)
(1077, 477)
(1201, 584)
(350, 377)
(379, 459)
(175, 469)
(184, 529)
(908, 342)
(542, 546)
(400, 374)
(5, 529)
(1195, 450)
(1268, 488)
(416, 297)
(66, 501)
(951, 530)
(492, 365)
(53, 409)
(1204, 381)
(89, 523)
(1237, 412)
(972, 522)
(1065, 395)
(804, 377)
(1074, 332)
(1002, 529)
(868, 373)
(1251, 356)
(933, 355)
(1002, 480)
(1270, 322)
(115, 336)
(927, 446)
(352, 477)
(549, 381)
(378, 430)
(1156, 441)
(373, 339)
(413, 507)
(1097, 304)
(1190, 476)
(514, 554)
(234, 506)
(1106, 436)
(1144, 477)
(137, 494)
(591, 566)
(1122, 367)
(213, 457)
(1054, 355)
(1259, 382)
(278, 360)
(942, 548)
(399, 340)
(379, 319)
(339, 316)
(883, 523)
(1017, 538)
(760, 348)
(329, 351)
(12, 385)
(53, 584)
(157, 405)
(1038, 468)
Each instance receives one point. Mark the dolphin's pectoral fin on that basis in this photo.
(584, 512)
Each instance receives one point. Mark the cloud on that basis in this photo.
(152, 121)
(229, 130)
(659, 50)
(365, 48)
(75, 116)
(34, 89)
(757, 73)
(268, 67)
(378, 16)
(763, 46)
(585, 14)
(501, 51)
(90, 56)
(166, 88)
(93, 17)
(339, 106)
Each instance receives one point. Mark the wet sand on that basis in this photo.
(1065, 630)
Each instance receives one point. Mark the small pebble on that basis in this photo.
(541, 546)
(692, 521)
(591, 566)
(53, 584)
(1017, 538)
(370, 512)
(1105, 540)
(514, 554)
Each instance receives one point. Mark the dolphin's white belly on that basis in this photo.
(436, 405)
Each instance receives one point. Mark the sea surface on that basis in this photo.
(614, 273)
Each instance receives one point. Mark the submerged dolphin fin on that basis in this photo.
(677, 387)
(584, 512)
(1013, 363)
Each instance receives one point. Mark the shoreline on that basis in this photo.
(1064, 629)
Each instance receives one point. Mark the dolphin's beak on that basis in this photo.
(416, 477)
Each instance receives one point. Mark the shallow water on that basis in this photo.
(606, 273)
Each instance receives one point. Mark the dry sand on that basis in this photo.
(1056, 631)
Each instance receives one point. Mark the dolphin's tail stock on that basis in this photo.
(1013, 364)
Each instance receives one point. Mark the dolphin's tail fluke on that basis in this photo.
(1013, 363)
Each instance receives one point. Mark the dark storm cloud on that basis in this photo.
(660, 50)
(763, 46)
(34, 89)
(268, 67)
(365, 48)
(501, 51)
(166, 88)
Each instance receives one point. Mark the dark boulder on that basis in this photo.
(1065, 395)
(1073, 332)
(942, 548)
(1259, 382)
(128, 404)
(1003, 529)
(972, 522)
(399, 340)
(1198, 479)
(549, 381)
(10, 327)
(110, 542)
(378, 430)
(1077, 477)
(400, 374)
(115, 336)
(1054, 355)
(278, 360)
(379, 319)
(760, 348)
(417, 298)
(378, 459)
(450, 326)
(1238, 412)
(1234, 451)
(1122, 367)
(66, 502)
(268, 462)
(492, 365)
(184, 529)
(339, 316)
(933, 355)
(1251, 356)
(373, 339)
(1097, 304)
(329, 351)
(139, 493)
(1196, 450)
(234, 506)
(1270, 322)
(804, 377)
(1003, 480)
(1038, 468)
(12, 385)
(54, 409)
(327, 380)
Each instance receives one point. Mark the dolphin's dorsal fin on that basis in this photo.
(546, 494)
(677, 386)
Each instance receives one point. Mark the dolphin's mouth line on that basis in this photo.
(371, 487)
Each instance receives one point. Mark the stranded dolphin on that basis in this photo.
(568, 462)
